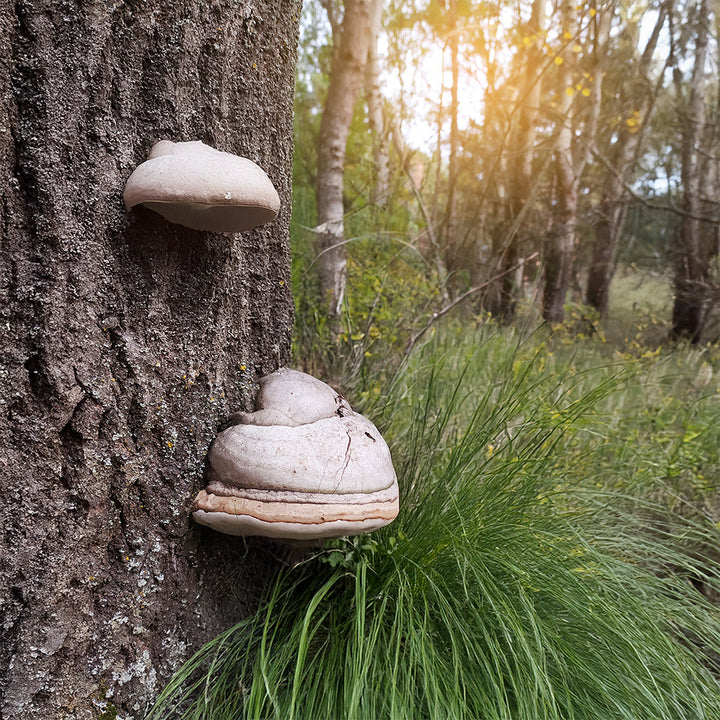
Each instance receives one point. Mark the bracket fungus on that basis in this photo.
(303, 466)
(192, 184)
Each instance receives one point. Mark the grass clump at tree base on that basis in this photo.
(502, 591)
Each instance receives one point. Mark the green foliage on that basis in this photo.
(640, 308)
(390, 283)
(528, 575)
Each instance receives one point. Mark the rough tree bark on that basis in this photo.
(126, 341)
(346, 81)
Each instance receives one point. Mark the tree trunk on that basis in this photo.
(346, 80)
(611, 215)
(455, 260)
(376, 115)
(125, 341)
(560, 243)
(691, 268)
(611, 209)
(521, 145)
(570, 161)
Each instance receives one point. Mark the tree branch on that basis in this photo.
(468, 293)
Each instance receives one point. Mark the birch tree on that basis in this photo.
(570, 156)
(346, 80)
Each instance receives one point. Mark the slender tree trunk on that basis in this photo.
(610, 217)
(376, 115)
(126, 341)
(453, 250)
(522, 144)
(560, 243)
(570, 161)
(346, 80)
(691, 267)
(611, 209)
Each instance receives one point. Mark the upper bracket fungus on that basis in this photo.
(303, 466)
(192, 184)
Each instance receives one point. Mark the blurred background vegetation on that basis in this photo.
(540, 155)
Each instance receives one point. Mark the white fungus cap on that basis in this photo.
(303, 466)
(194, 185)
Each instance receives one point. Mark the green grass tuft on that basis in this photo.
(533, 573)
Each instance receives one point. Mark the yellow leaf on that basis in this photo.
(578, 86)
(577, 48)
(593, 12)
(558, 60)
(586, 92)
(569, 91)
(567, 35)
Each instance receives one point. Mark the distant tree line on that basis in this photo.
(571, 116)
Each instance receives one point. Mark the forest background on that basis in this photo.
(539, 162)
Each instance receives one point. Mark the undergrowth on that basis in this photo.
(539, 568)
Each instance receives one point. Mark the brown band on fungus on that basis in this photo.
(302, 513)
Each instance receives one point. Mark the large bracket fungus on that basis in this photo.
(192, 184)
(303, 466)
